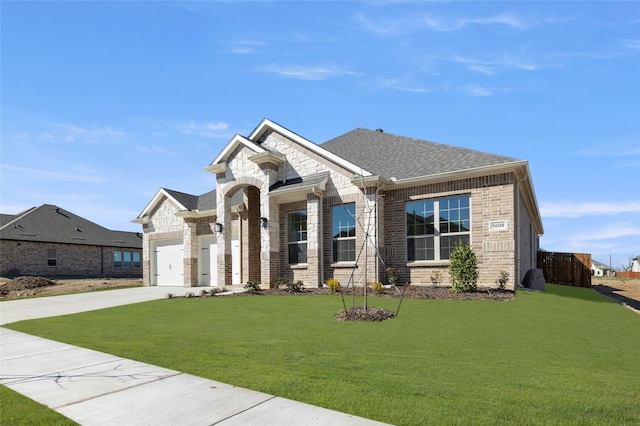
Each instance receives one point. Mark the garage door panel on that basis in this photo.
(169, 256)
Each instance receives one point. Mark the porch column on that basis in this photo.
(269, 241)
(223, 240)
(190, 240)
(314, 241)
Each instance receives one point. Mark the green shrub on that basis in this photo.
(377, 287)
(170, 295)
(252, 286)
(281, 282)
(294, 287)
(463, 268)
(204, 293)
(334, 285)
(436, 279)
(502, 280)
(393, 274)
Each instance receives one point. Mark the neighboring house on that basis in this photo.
(346, 209)
(635, 264)
(599, 269)
(53, 242)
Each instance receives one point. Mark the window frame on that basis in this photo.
(52, 261)
(135, 263)
(440, 228)
(126, 264)
(302, 244)
(117, 263)
(337, 240)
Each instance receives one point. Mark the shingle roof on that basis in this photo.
(49, 223)
(392, 156)
(206, 201)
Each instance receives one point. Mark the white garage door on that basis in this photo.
(208, 261)
(169, 263)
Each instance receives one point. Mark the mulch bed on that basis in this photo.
(412, 292)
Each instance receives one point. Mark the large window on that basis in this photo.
(136, 259)
(127, 259)
(297, 237)
(344, 233)
(434, 227)
(117, 259)
(52, 257)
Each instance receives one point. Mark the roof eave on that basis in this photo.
(196, 213)
(285, 195)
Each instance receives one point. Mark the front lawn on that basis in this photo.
(569, 356)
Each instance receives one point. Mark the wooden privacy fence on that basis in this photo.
(572, 269)
(628, 275)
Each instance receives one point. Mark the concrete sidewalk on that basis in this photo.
(94, 388)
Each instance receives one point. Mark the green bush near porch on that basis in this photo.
(568, 356)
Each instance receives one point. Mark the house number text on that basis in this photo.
(498, 225)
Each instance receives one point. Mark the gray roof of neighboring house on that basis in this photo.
(392, 156)
(51, 224)
(600, 265)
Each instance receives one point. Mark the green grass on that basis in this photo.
(568, 356)
(16, 410)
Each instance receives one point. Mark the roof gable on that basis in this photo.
(49, 223)
(185, 202)
(255, 139)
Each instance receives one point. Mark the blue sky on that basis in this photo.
(103, 103)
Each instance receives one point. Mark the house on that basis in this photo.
(347, 209)
(599, 269)
(635, 264)
(52, 242)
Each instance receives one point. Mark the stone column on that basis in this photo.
(223, 240)
(190, 239)
(314, 241)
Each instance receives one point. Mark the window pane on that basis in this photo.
(136, 260)
(420, 218)
(420, 249)
(117, 259)
(344, 250)
(454, 214)
(52, 257)
(447, 244)
(344, 222)
(297, 226)
(127, 259)
(297, 253)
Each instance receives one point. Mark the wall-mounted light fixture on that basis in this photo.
(218, 227)
(263, 222)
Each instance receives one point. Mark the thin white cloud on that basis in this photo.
(411, 24)
(307, 73)
(600, 237)
(401, 85)
(207, 130)
(574, 210)
(631, 44)
(244, 47)
(22, 173)
(489, 66)
(476, 90)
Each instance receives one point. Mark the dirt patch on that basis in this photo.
(623, 290)
(22, 287)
